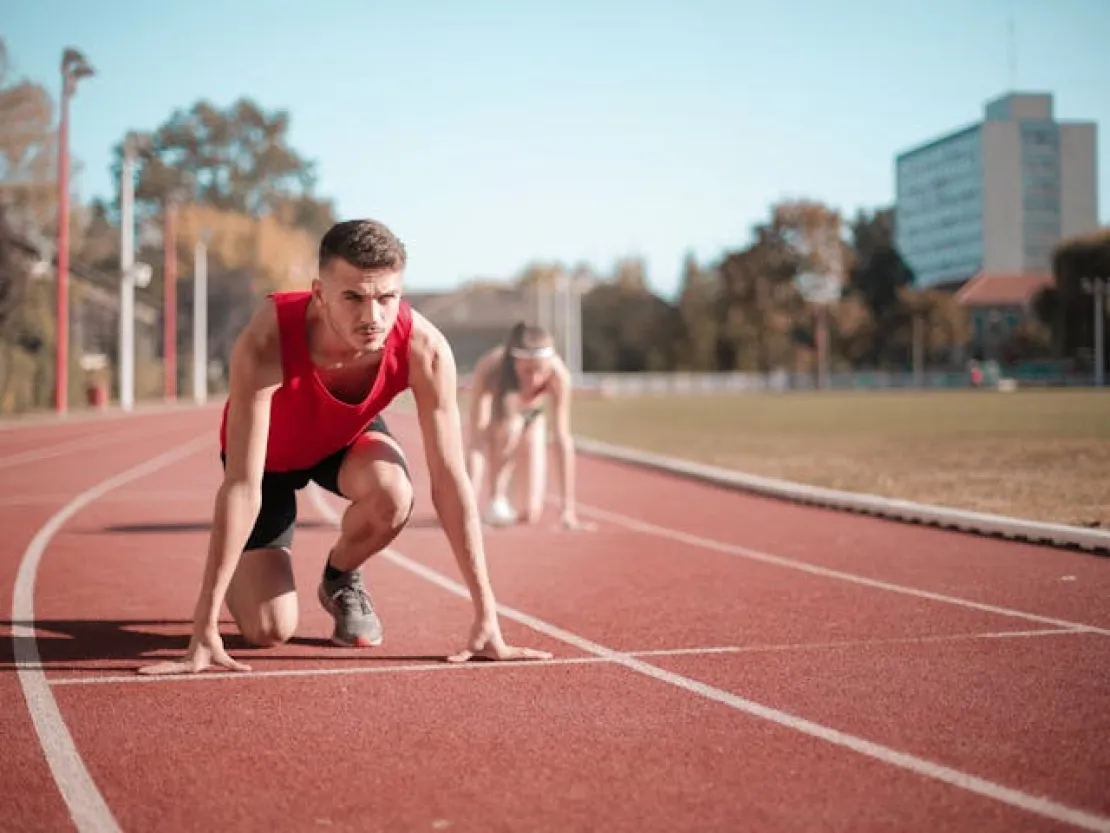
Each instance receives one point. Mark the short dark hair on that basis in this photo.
(365, 244)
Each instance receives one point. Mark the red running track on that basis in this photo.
(722, 662)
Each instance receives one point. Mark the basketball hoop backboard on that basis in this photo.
(818, 289)
(141, 274)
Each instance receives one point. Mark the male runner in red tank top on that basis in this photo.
(310, 375)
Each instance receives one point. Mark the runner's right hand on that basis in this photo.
(205, 650)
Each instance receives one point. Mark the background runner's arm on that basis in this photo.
(434, 383)
(481, 406)
(564, 440)
(239, 497)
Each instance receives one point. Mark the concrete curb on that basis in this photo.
(997, 526)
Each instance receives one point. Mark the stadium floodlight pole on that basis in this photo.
(200, 319)
(74, 67)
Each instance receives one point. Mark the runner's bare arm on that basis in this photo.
(434, 383)
(433, 378)
(253, 380)
(481, 407)
(564, 442)
(252, 384)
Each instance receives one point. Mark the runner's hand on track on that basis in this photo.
(204, 651)
(569, 520)
(486, 642)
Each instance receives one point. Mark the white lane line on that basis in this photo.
(739, 551)
(863, 643)
(827, 572)
(399, 667)
(247, 676)
(1038, 805)
(87, 807)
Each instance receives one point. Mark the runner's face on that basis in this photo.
(532, 372)
(360, 306)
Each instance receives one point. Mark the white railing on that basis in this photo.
(640, 384)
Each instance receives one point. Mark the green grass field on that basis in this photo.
(1041, 454)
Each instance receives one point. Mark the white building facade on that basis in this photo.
(995, 197)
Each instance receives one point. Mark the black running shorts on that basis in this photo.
(277, 517)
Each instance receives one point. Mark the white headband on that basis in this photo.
(534, 353)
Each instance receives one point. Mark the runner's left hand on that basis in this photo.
(486, 642)
(206, 649)
(569, 520)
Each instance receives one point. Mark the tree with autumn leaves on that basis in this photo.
(231, 179)
(229, 176)
(28, 211)
(746, 310)
(1066, 309)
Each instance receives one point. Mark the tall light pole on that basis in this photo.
(126, 363)
(74, 67)
(169, 299)
(200, 319)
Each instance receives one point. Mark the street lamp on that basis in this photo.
(200, 317)
(74, 67)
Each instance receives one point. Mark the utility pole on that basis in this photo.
(200, 320)
(169, 298)
(131, 274)
(127, 276)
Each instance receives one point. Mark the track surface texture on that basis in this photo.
(722, 663)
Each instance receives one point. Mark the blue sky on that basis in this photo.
(489, 134)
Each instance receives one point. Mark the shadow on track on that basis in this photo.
(81, 644)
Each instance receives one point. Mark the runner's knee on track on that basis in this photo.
(262, 597)
(269, 626)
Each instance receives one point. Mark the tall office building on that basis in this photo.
(996, 196)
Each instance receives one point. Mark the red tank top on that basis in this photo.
(307, 423)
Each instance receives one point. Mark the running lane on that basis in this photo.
(41, 468)
(395, 739)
